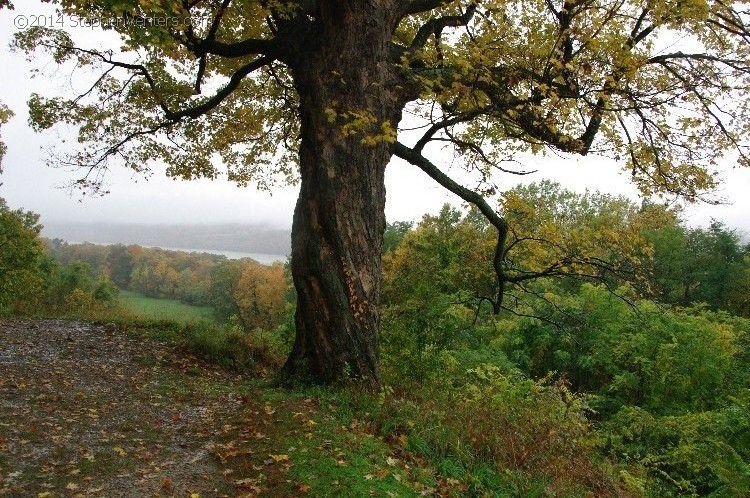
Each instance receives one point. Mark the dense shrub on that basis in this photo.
(231, 347)
(640, 354)
(502, 434)
(694, 454)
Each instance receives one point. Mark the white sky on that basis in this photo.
(29, 183)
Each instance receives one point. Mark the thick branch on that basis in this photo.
(243, 48)
(190, 112)
(420, 6)
(234, 82)
(436, 25)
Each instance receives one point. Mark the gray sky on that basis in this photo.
(29, 183)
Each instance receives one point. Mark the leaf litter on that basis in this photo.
(86, 410)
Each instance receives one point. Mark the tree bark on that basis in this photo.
(339, 218)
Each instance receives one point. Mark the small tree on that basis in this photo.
(20, 252)
(316, 89)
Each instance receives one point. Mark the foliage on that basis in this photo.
(666, 387)
(5, 115)
(443, 254)
(20, 253)
(589, 236)
(260, 294)
(416, 336)
(221, 290)
(105, 291)
(499, 433)
(694, 454)
(504, 76)
(251, 89)
(666, 361)
(231, 347)
(428, 293)
(120, 262)
(67, 278)
(739, 288)
(394, 234)
(257, 294)
(585, 388)
(700, 265)
(555, 233)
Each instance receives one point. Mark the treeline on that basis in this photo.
(700, 265)
(573, 238)
(257, 295)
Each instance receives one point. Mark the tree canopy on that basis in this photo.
(653, 83)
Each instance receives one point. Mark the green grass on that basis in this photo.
(163, 309)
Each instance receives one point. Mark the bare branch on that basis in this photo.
(219, 96)
(418, 160)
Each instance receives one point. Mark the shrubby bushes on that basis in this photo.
(230, 346)
(499, 432)
(631, 353)
(652, 377)
(669, 388)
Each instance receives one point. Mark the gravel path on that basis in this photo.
(87, 410)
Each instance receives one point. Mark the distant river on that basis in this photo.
(266, 259)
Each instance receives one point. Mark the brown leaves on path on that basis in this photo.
(87, 410)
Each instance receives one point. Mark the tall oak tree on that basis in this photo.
(315, 90)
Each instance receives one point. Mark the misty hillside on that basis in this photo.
(227, 237)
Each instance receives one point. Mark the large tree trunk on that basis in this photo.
(339, 218)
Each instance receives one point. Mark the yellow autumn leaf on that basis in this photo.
(280, 458)
(119, 451)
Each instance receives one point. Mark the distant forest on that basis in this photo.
(225, 237)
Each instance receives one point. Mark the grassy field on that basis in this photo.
(163, 309)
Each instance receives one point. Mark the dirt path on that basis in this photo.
(87, 410)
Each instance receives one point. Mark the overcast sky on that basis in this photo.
(28, 183)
